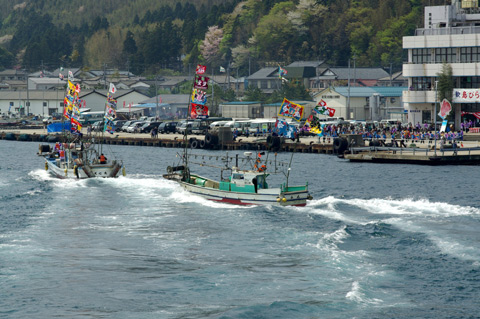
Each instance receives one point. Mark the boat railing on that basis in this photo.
(456, 151)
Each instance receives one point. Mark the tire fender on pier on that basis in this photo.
(194, 144)
(340, 145)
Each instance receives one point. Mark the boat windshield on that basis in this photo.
(261, 183)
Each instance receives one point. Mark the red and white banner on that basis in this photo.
(201, 69)
(198, 111)
(201, 82)
(466, 96)
(476, 114)
(445, 108)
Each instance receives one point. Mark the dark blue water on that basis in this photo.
(377, 241)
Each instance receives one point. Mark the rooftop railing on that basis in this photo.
(448, 31)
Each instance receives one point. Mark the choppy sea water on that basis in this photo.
(377, 241)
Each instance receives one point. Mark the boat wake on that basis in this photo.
(444, 224)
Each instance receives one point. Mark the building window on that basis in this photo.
(448, 55)
(44, 103)
(426, 116)
(420, 56)
(470, 82)
(421, 84)
(12, 103)
(470, 55)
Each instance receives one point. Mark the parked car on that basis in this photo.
(118, 125)
(167, 127)
(135, 127)
(127, 124)
(185, 128)
(97, 126)
(147, 127)
(48, 120)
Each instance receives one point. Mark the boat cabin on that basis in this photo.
(245, 182)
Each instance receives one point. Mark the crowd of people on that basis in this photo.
(414, 133)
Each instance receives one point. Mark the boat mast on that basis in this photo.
(289, 167)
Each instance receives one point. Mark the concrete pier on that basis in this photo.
(305, 144)
(421, 153)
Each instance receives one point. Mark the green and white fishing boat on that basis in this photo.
(241, 186)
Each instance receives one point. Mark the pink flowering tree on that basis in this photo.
(210, 47)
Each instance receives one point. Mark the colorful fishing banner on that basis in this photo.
(113, 89)
(444, 126)
(201, 82)
(201, 69)
(70, 99)
(313, 125)
(110, 111)
(198, 111)
(282, 128)
(321, 108)
(71, 107)
(199, 97)
(445, 108)
(281, 72)
(291, 110)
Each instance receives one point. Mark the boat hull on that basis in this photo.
(296, 198)
(109, 170)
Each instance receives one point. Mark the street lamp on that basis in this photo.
(435, 115)
(157, 114)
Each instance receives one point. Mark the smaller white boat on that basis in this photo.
(79, 161)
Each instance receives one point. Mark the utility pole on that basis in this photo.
(156, 98)
(391, 74)
(105, 75)
(27, 104)
(435, 115)
(348, 96)
(354, 70)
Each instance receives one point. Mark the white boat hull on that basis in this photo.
(108, 170)
(296, 198)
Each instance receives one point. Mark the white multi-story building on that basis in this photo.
(451, 34)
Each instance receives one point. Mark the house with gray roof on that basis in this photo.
(396, 79)
(300, 72)
(13, 75)
(47, 102)
(34, 102)
(336, 76)
(45, 84)
(266, 79)
(319, 66)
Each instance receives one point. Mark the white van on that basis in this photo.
(214, 126)
(241, 126)
(261, 125)
(389, 123)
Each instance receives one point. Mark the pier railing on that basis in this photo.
(417, 150)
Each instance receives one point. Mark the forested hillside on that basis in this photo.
(146, 36)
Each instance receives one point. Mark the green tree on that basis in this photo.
(6, 59)
(290, 91)
(445, 83)
(254, 94)
(274, 34)
(129, 45)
